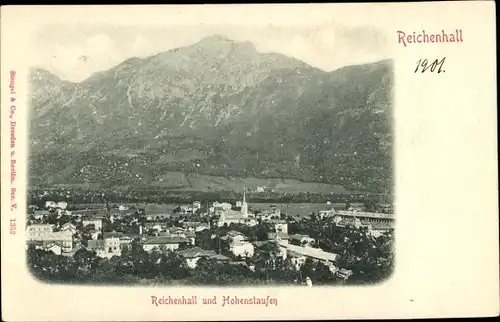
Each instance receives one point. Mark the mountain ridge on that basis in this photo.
(228, 111)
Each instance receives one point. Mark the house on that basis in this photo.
(105, 248)
(49, 246)
(343, 273)
(239, 244)
(196, 226)
(280, 226)
(84, 212)
(160, 243)
(62, 205)
(188, 209)
(197, 204)
(177, 232)
(153, 225)
(250, 222)
(192, 255)
(96, 222)
(40, 214)
(301, 240)
(238, 204)
(54, 247)
(377, 229)
(365, 214)
(125, 240)
(222, 205)
(69, 227)
(326, 213)
(37, 230)
(271, 216)
(299, 254)
(50, 204)
(260, 189)
(46, 233)
(279, 237)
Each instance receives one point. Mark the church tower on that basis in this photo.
(244, 206)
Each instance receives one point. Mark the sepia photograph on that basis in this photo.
(249, 162)
(216, 155)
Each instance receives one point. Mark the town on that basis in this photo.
(210, 243)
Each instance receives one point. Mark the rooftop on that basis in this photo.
(316, 253)
(165, 240)
(298, 236)
(234, 233)
(373, 215)
(197, 252)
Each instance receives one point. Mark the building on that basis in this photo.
(69, 227)
(46, 233)
(377, 223)
(222, 205)
(239, 244)
(188, 209)
(301, 240)
(164, 243)
(197, 205)
(191, 237)
(196, 226)
(326, 213)
(244, 205)
(250, 221)
(231, 217)
(40, 214)
(280, 239)
(125, 239)
(94, 234)
(270, 216)
(177, 232)
(192, 255)
(154, 226)
(62, 205)
(378, 229)
(37, 230)
(49, 246)
(260, 189)
(280, 226)
(299, 254)
(50, 204)
(96, 222)
(105, 248)
(343, 273)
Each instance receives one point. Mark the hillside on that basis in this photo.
(215, 108)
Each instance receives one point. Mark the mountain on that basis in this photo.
(217, 108)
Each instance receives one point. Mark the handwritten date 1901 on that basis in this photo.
(423, 65)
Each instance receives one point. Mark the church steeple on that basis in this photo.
(244, 206)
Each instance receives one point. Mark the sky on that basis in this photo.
(75, 51)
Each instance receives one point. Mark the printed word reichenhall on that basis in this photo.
(425, 37)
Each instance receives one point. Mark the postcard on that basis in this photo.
(249, 162)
